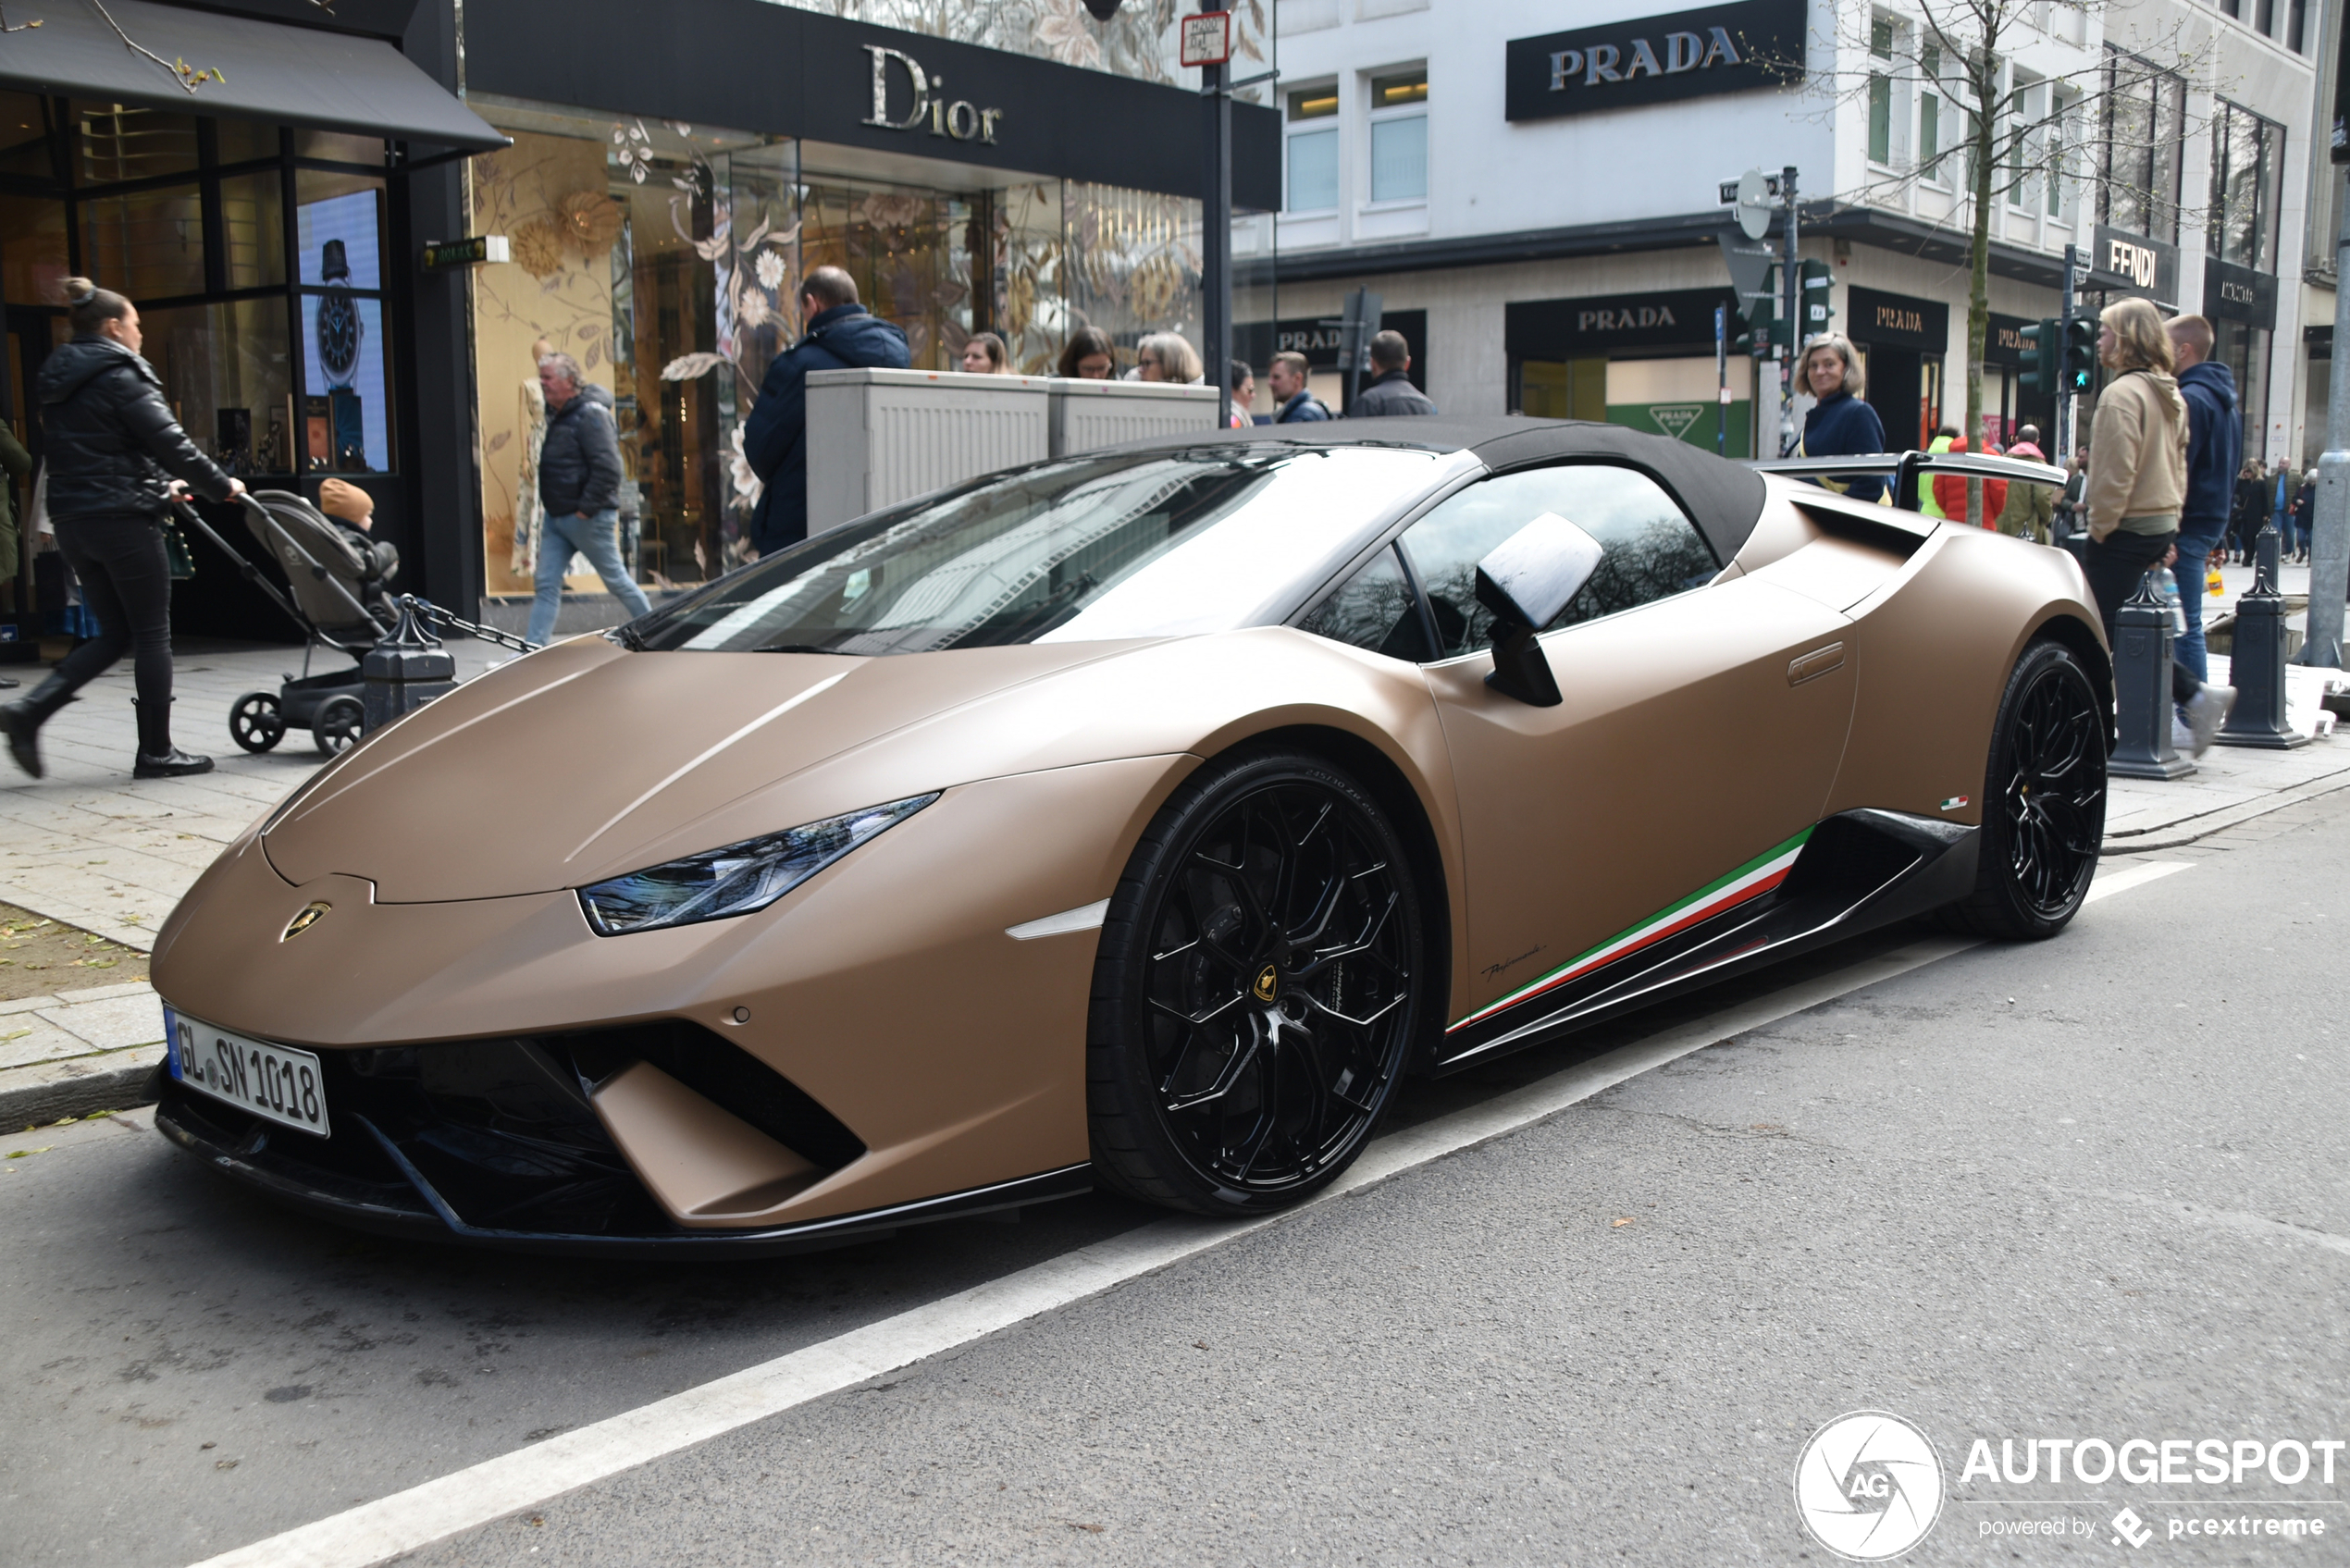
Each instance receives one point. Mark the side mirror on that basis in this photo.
(1527, 583)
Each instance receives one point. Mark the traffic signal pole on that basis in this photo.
(1789, 300)
(2330, 543)
(2065, 444)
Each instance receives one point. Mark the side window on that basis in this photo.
(1653, 551)
(1374, 609)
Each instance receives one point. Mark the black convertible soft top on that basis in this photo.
(1723, 498)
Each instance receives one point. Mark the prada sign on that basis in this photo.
(2238, 293)
(2123, 262)
(1557, 329)
(2003, 339)
(1728, 48)
(961, 119)
(1897, 321)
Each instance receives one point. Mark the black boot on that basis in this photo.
(158, 758)
(22, 719)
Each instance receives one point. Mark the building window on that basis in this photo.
(2247, 161)
(1881, 91)
(1399, 137)
(1313, 150)
(2138, 152)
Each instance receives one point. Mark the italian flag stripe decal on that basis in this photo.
(1753, 880)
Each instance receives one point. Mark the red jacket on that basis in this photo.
(1949, 494)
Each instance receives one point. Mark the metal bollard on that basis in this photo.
(2256, 664)
(405, 671)
(2142, 638)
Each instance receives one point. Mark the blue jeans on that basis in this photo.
(598, 539)
(2198, 537)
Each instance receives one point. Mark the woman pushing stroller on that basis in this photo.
(115, 460)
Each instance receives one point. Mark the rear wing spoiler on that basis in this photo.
(1905, 467)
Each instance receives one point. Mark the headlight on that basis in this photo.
(738, 879)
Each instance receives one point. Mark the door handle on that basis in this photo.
(1813, 665)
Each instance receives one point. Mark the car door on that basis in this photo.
(1700, 729)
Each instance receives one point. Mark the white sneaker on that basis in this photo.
(2182, 738)
(2206, 711)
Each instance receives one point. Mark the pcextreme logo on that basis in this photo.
(1868, 1486)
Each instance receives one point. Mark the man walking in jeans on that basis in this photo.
(579, 484)
(2215, 452)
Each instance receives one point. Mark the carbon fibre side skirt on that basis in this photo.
(1857, 870)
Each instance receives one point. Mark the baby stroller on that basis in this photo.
(341, 598)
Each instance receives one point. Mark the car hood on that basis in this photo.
(583, 762)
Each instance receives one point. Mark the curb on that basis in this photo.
(78, 1086)
(2188, 831)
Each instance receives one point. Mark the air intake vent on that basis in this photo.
(721, 1073)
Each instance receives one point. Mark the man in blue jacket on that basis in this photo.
(842, 335)
(2215, 451)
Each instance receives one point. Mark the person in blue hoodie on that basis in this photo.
(2215, 452)
(842, 335)
(1840, 425)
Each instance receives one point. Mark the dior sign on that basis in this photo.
(1724, 48)
(960, 120)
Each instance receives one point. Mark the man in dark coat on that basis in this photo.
(579, 478)
(2215, 452)
(1293, 403)
(842, 335)
(1392, 391)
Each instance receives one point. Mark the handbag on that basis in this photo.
(176, 553)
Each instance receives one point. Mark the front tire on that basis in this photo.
(2043, 801)
(1257, 991)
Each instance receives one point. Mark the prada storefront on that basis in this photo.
(660, 189)
(1902, 341)
(1642, 360)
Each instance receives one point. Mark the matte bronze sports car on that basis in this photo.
(1141, 817)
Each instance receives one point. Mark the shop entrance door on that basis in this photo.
(1895, 387)
(30, 336)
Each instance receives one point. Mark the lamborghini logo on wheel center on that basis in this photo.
(310, 915)
(1268, 985)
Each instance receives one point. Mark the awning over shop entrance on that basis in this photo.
(271, 72)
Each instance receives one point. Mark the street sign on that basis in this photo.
(1207, 38)
(448, 256)
(1755, 203)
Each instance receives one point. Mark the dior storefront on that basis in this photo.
(660, 190)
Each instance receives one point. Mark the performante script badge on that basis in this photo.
(310, 915)
(1268, 985)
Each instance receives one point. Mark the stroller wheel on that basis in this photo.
(337, 727)
(257, 722)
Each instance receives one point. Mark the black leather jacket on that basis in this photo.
(579, 465)
(113, 447)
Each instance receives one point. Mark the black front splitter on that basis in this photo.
(414, 1211)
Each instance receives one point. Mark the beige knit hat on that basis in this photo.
(348, 502)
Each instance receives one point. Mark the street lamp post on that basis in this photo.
(2329, 543)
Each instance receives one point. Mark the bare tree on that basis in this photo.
(189, 78)
(2106, 127)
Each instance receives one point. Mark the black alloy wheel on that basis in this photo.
(338, 726)
(2044, 801)
(257, 722)
(1257, 990)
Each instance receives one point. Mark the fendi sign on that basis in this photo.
(1726, 48)
(2123, 262)
(961, 119)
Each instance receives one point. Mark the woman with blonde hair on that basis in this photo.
(1840, 425)
(2137, 484)
(984, 355)
(1167, 356)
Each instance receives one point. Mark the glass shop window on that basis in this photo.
(148, 244)
(346, 418)
(1399, 137)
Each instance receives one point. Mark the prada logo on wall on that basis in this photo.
(1554, 329)
(961, 120)
(1897, 321)
(1727, 48)
(2121, 262)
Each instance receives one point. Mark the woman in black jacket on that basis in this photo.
(112, 450)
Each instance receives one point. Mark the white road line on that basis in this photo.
(437, 1510)
(2122, 881)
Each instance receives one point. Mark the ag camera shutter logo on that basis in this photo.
(1868, 1486)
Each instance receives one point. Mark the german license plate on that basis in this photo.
(276, 1082)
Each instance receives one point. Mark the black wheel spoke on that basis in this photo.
(2052, 807)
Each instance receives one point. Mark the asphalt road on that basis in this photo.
(2088, 1189)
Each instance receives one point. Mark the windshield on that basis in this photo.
(1161, 543)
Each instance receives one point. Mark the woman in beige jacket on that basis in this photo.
(2137, 481)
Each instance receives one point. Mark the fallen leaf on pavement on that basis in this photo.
(1621, 1223)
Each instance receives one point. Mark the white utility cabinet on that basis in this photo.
(1087, 414)
(876, 437)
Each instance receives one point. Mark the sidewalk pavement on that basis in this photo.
(91, 847)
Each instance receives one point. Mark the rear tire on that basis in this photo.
(1257, 989)
(257, 722)
(338, 726)
(2043, 802)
